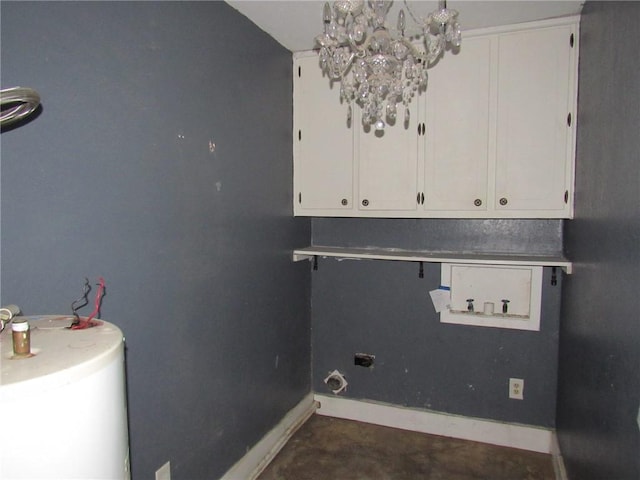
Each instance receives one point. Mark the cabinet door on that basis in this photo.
(388, 166)
(323, 143)
(456, 142)
(534, 140)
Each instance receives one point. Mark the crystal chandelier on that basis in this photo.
(376, 69)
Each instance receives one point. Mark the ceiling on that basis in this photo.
(295, 23)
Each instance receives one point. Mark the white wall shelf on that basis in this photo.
(433, 257)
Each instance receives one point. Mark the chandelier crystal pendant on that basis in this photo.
(376, 69)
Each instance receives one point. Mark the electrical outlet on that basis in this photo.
(516, 388)
(164, 472)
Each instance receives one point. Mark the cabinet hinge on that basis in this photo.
(571, 40)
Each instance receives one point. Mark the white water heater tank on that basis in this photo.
(63, 410)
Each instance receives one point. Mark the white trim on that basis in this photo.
(493, 283)
(307, 253)
(524, 437)
(484, 31)
(520, 27)
(558, 461)
(256, 460)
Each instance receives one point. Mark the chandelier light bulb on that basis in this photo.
(378, 68)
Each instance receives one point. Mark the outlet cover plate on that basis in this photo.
(516, 388)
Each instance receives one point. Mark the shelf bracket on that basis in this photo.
(298, 257)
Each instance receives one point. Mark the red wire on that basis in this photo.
(88, 322)
(98, 299)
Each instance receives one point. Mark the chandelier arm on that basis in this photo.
(339, 73)
(358, 50)
(411, 13)
(348, 64)
(416, 53)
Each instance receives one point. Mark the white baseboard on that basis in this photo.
(479, 430)
(257, 459)
(558, 461)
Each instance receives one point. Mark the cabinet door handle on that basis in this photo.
(503, 201)
(344, 201)
(422, 198)
(365, 202)
(477, 202)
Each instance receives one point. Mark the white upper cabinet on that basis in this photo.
(494, 138)
(322, 143)
(457, 131)
(535, 109)
(388, 167)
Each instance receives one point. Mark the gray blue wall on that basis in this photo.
(599, 383)
(118, 176)
(383, 308)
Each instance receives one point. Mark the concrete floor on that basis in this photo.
(335, 449)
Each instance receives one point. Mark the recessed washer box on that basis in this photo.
(493, 295)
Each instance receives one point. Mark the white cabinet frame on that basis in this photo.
(499, 171)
